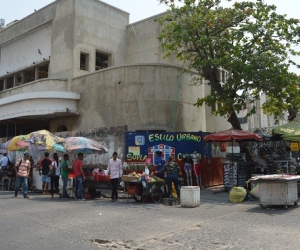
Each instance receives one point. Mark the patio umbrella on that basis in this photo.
(287, 128)
(83, 145)
(232, 135)
(41, 140)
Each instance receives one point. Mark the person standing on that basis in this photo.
(159, 163)
(64, 170)
(4, 162)
(172, 169)
(31, 172)
(79, 177)
(22, 168)
(116, 171)
(55, 178)
(45, 164)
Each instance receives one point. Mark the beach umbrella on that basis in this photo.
(41, 140)
(83, 145)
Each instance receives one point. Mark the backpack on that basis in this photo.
(10, 165)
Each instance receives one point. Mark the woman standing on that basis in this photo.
(172, 169)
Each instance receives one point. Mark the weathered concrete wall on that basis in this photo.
(142, 97)
(143, 45)
(62, 40)
(36, 86)
(22, 53)
(29, 23)
(101, 27)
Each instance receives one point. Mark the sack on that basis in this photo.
(255, 192)
(237, 194)
(51, 173)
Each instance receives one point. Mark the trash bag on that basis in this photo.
(237, 194)
(255, 192)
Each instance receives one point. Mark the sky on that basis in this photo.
(12, 10)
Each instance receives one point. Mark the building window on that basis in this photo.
(29, 75)
(1, 84)
(43, 71)
(18, 79)
(10, 82)
(102, 60)
(84, 61)
(243, 120)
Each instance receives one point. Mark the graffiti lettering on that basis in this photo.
(132, 157)
(160, 137)
(188, 137)
(179, 156)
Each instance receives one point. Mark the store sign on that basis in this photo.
(294, 146)
(143, 145)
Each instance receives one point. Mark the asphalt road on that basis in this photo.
(42, 223)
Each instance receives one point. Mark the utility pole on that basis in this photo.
(2, 22)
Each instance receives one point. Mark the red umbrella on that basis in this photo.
(232, 135)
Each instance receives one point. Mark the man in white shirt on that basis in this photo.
(116, 171)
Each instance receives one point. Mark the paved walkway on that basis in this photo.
(42, 223)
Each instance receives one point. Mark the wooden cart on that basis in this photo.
(137, 191)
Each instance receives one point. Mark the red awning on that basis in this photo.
(232, 135)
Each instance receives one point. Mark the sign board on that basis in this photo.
(294, 146)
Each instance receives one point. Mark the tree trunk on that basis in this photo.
(234, 121)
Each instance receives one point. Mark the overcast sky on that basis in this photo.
(11, 10)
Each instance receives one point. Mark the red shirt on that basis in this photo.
(76, 167)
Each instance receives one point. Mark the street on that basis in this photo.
(42, 223)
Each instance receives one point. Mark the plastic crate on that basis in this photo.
(101, 177)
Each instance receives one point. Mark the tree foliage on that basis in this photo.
(248, 39)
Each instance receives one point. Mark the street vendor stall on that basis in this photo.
(139, 188)
(236, 169)
(277, 189)
(96, 180)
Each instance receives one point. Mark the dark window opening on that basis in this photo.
(101, 61)
(62, 128)
(1, 84)
(10, 82)
(43, 71)
(84, 60)
(29, 75)
(243, 120)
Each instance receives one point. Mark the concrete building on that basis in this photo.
(79, 64)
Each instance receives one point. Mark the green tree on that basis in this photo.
(248, 39)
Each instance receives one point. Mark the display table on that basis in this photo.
(277, 189)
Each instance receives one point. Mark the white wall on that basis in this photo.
(22, 52)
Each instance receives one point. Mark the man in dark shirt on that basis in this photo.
(45, 165)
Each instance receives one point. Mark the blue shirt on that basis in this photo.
(4, 161)
(159, 162)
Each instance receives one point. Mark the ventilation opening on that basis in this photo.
(62, 128)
